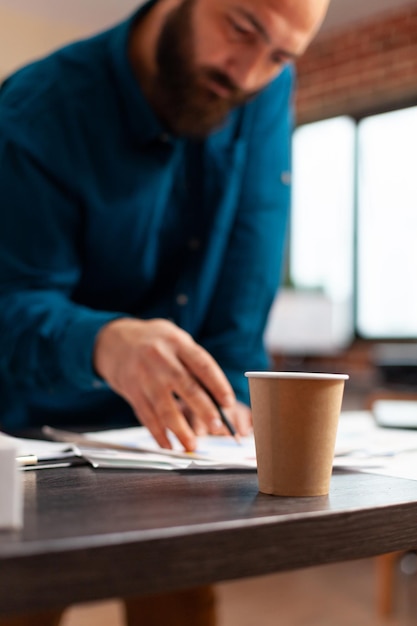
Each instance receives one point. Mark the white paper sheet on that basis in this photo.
(37, 447)
(363, 445)
(214, 453)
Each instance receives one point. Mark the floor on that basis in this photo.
(331, 595)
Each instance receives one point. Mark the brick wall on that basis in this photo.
(367, 68)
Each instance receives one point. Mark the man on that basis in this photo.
(145, 196)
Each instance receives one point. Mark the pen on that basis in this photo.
(224, 419)
(31, 461)
(27, 459)
(222, 415)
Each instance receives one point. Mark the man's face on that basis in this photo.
(213, 55)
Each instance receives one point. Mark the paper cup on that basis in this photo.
(295, 417)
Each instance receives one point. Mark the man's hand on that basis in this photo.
(148, 363)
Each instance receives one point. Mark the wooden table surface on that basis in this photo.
(91, 534)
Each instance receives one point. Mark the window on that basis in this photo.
(368, 255)
(387, 225)
(321, 240)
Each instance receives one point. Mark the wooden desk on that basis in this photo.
(97, 534)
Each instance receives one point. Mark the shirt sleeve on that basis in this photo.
(46, 338)
(253, 264)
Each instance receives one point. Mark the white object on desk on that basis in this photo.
(11, 496)
(308, 322)
(395, 413)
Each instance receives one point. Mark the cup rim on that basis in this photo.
(299, 375)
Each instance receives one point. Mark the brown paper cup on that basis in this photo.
(295, 417)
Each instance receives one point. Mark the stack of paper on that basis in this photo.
(360, 445)
(136, 448)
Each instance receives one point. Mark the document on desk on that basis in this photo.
(40, 454)
(361, 445)
(135, 448)
(141, 450)
(131, 448)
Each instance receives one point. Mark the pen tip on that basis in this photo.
(238, 439)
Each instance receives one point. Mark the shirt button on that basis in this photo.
(194, 244)
(182, 299)
(286, 178)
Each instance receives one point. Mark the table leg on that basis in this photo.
(41, 618)
(192, 607)
(385, 569)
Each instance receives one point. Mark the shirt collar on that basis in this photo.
(144, 124)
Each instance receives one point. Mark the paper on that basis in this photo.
(212, 453)
(359, 435)
(137, 449)
(360, 445)
(37, 447)
(39, 454)
(363, 445)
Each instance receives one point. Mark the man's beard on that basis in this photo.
(179, 92)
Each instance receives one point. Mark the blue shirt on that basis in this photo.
(103, 214)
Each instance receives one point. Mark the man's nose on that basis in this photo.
(246, 72)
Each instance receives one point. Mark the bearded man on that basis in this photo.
(145, 195)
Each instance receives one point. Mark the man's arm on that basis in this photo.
(48, 340)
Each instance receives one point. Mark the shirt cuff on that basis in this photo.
(77, 346)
